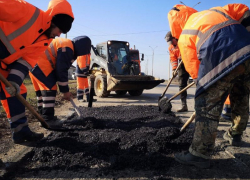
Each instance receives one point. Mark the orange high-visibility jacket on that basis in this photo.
(178, 17)
(82, 67)
(52, 66)
(21, 26)
(213, 43)
(174, 53)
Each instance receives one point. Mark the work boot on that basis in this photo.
(233, 140)
(184, 108)
(189, 159)
(94, 100)
(29, 136)
(54, 122)
(81, 100)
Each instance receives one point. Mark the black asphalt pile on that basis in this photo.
(108, 139)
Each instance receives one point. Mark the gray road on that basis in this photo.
(149, 97)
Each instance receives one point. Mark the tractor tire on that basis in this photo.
(135, 92)
(120, 92)
(100, 86)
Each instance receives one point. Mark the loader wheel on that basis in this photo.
(120, 92)
(101, 86)
(135, 92)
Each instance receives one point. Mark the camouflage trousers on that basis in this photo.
(183, 82)
(209, 105)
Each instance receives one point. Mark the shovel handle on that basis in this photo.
(184, 89)
(76, 108)
(25, 103)
(179, 65)
(192, 117)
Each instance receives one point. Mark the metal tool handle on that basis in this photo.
(179, 65)
(76, 108)
(192, 117)
(25, 103)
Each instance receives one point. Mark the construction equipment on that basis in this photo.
(114, 70)
(174, 75)
(135, 56)
(164, 103)
(30, 108)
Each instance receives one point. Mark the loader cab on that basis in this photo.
(118, 52)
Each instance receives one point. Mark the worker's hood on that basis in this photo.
(178, 17)
(58, 7)
(82, 46)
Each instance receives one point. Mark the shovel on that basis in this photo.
(31, 109)
(175, 72)
(164, 103)
(76, 108)
(192, 117)
(91, 94)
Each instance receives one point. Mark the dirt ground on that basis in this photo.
(117, 142)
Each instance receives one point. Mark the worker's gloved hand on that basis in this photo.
(67, 96)
(15, 89)
(174, 73)
(195, 81)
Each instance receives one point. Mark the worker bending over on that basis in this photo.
(25, 33)
(215, 49)
(183, 76)
(52, 69)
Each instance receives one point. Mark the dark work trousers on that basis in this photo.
(46, 103)
(183, 77)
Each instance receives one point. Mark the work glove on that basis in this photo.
(174, 73)
(15, 89)
(67, 96)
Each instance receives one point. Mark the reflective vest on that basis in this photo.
(47, 61)
(212, 44)
(174, 55)
(21, 26)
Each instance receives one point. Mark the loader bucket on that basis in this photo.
(135, 82)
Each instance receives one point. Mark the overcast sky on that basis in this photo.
(143, 23)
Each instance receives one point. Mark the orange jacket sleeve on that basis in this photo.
(174, 55)
(189, 57)
(12, 10)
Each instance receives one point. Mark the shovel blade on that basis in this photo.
(164, 105)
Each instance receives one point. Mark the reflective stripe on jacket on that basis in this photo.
(52, 66)
(83, 62)
(212, 44)
(174, 53)
(21, 26)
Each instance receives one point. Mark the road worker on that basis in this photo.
(226, 113)
(215, 49)
(52, 69)
(82, 72)
(183, 76)
(25, 32)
